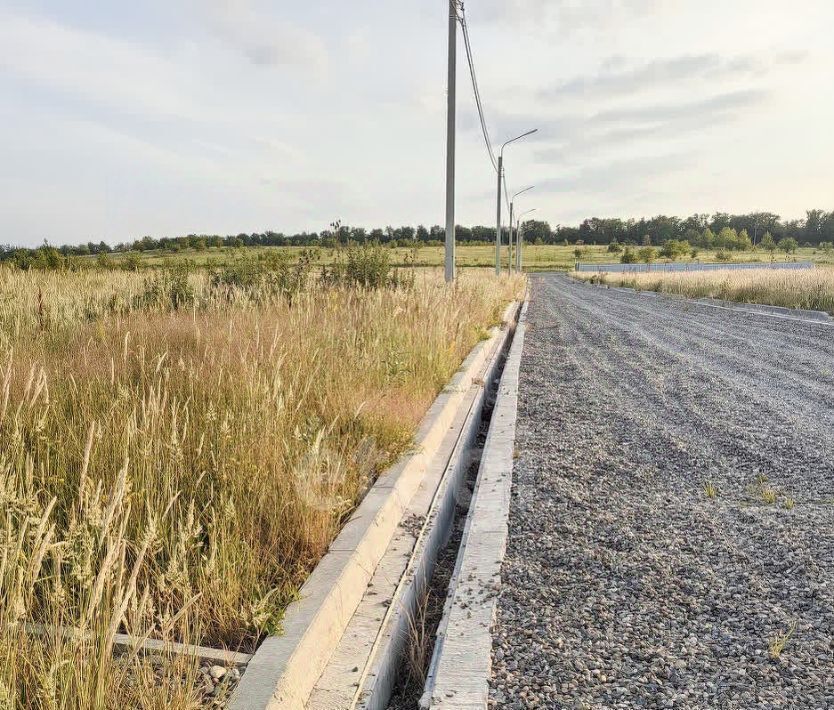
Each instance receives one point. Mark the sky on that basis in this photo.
(170, 117)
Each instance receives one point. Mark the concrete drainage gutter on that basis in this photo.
(461, 666)
(286, 669)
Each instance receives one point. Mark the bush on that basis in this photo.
(131, 262)
(168, 289)
(723, 255)
(629, 256)
(271, 274)
(614, 247)
(648, 255)
(367, 266)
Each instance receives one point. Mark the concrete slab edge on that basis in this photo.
(462, 664)
(382, 669)
(284, 669)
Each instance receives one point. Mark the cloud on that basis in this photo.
(261, 37)
(726, 103)
(623, 175)
(569, 136)
(565, 15)
(90, 66)
(613, 81)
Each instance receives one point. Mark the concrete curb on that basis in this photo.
(462, 663)
(285, 669)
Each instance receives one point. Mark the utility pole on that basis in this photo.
(519, 239)
(510, 260)
(451, 126)
(498, 220)
(512, 211)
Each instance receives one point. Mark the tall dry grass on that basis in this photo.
(178, 472)
(810, 290)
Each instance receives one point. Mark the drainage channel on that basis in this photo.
(427, 618)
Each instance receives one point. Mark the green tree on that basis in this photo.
(648, 255)
(788, 245)
(628, 257)
(768, 243)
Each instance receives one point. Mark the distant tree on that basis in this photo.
(648, 255)
(647, 240)
(788, 245)
(768, 243)
(707, 239)
(629, 256)
(674, 248)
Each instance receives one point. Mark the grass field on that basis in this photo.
(176, 454)
(536, 258)
(811, 290)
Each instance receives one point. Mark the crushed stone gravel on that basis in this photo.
(672, 517)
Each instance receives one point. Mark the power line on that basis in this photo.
(478, 102)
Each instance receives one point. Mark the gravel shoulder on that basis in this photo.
(626, 584)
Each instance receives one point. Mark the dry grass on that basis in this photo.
(811, 290)
(179, 472)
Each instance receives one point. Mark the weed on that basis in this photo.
(710, 490)
(769, 495)
(778, 643)
(789, 503)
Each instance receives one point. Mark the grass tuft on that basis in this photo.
(778, 643)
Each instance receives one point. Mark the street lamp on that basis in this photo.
(518, 240)
(500, 178)
(512, 205)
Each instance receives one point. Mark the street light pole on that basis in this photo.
(512, 209)
(451, 125)
(510, 240)
(498, 220)
(519, 241)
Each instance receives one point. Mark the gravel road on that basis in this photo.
(625, 584)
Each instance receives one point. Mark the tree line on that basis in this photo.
(717, 231)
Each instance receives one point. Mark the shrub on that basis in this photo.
(168, 289)
(132, 262)
(367, 266)
(271, 274)
(614, 247)
(723, 255)
(629, 256)
(648, 255)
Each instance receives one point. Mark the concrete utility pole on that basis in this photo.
(451, 126)
(498, 220)
(519, 264)
(512, 209)
(510, 240)
(500, 178)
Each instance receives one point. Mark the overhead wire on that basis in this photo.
(475, 88)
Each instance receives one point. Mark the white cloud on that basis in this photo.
(263, 38)
(90, 66)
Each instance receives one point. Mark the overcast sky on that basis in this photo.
(167, 117)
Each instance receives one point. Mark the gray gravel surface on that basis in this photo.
(625, 584)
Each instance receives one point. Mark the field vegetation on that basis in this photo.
(537, 257)
(178, 448)
(806, 289)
